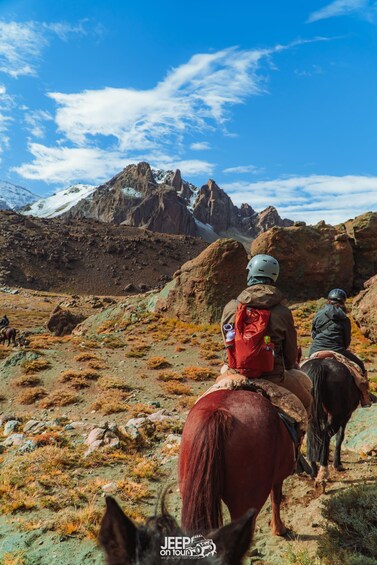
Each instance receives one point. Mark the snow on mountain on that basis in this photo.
(13, 197)
(59, 202)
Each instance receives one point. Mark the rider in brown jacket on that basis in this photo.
(263, 271)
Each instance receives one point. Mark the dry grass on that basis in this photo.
(172, 387)
(78, 379)
(15, 558)
(170, 376)
(131, 490)
(199, 373)
(186, 402)
(82, 522)
(139, 409)
(110, 402)
(158, 363)
(144, 468)
(114, 382)
(138, 351)
(31, 395)
(86, 357)
(97, 365)
(27, 380)
(113, 342)
(59, 398)
(35, 366)
(180, 348)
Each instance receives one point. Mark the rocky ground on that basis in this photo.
(101, 411)
(88, 256)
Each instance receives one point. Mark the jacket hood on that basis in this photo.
(334, 312)
(261, 296)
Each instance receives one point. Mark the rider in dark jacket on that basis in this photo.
(331, 328)
(4, 322)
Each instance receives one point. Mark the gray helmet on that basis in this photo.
(263, 266)
(337, 294)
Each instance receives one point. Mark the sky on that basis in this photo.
(274, 100)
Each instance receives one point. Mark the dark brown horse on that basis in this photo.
(126, 544)
(336, 396)
(8, 334)
(234, 448)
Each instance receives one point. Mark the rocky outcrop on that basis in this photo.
(363, 235)
(214, 207)
(313, 259)
(63, 322)
(202, 287)
(163, 211)
(364, 309)
(268, 219)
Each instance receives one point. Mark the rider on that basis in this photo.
(331, 331)
(261, 293)
(4, 322)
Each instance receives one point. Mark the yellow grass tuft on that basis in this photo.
(114, 382)
(35, 366)
(170, 376)
(31, 395)
(27, 380)
(59, 398)
(158, 363)
(144, 468)
(133, 491)
(199, 373)
(110, 402)
(172, 387)
(81, 523)
(86, 357)
(139, 408)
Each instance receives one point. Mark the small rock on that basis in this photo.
(159, 416)
(156, 404)
(136, 422)
(129, 288)
(28, 446)
(11, 426)
(110, 488)
(33, 426)
(14, 439)
(95, 435)
(2, 448)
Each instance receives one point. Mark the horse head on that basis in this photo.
(127, 544)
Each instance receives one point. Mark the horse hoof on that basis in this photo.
(339, 468)
(283, 531)
(320, 485)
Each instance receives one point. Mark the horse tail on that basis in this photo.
(204, 474)
(318, 416)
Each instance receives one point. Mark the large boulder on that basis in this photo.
(202, 287)
(62, 322)
(364, 309)
(363, 233)
(313, 259)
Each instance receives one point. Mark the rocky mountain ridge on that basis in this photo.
(14, 197)
(163, 201)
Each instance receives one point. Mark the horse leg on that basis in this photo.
(339, 440)
(323, 473)
(277, 526)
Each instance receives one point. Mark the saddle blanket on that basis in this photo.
(353, 367)
(285, 401)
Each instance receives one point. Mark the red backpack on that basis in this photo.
(252, 352)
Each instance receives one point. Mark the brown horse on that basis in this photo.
(234, 448)
(127, 544)
(8, 334)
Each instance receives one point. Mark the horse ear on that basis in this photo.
(117, 535)
(233, 540)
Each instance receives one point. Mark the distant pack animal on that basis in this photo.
(8, 334)
(126, 544)
(336, 396)
(234, 448)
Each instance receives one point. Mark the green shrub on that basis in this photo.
(351, 529)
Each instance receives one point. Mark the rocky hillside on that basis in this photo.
(13, 197)
(162, 201)
(88, 257)
(314, 259)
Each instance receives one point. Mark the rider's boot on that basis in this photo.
(365, 399)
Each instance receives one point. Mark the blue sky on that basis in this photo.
(274, 100)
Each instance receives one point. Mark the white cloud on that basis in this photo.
(196, 96)
(338, 8)
(22, 44)
(243, 169)
(200, 146)
(189, 167)
(35, 122)
(62, 164)
(6, 105)
(313, 198)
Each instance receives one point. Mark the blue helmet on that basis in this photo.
(338, 295)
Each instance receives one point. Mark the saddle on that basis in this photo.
(289, 407)
(359, 378)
